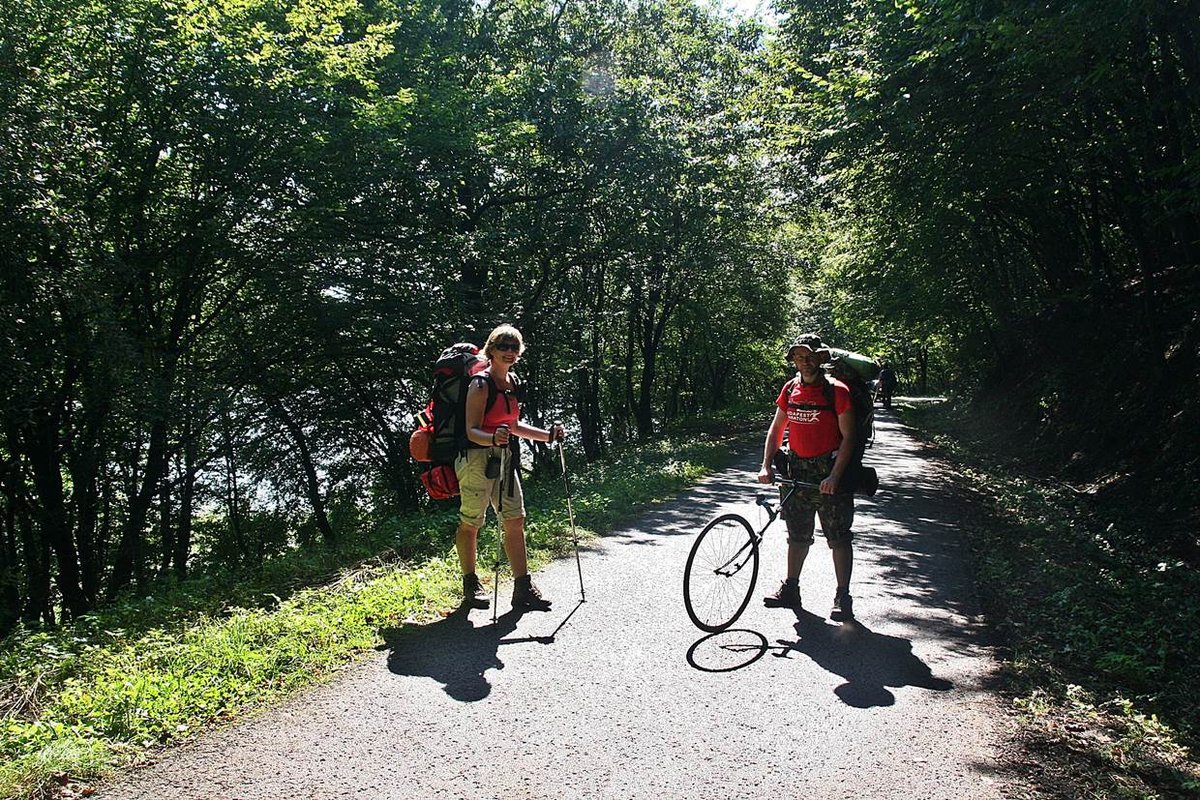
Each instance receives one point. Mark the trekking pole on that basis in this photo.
(496, 571)
(562, 459)
(499, 539)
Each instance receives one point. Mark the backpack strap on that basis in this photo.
(508, 480)
(486, 380)
(490, 382)
(493, 391)
(827, 390)
(517, 390)
(830, 394)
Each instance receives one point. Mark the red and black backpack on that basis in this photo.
(441, 434)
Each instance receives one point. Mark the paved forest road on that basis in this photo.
(622, 702)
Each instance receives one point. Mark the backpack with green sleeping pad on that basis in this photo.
(854, 370)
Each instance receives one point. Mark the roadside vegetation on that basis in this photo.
(152, 670)
(237, 240)
(1100, 630)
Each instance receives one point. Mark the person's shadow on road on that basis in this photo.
(870, 662)
(453, 651)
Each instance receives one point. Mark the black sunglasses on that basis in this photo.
(507, 347)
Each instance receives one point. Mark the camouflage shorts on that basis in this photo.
(836, 511)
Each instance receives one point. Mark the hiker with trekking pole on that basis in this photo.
(488, 473)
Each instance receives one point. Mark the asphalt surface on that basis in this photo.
(622, 697)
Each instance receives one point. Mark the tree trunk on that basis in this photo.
(130, 562)
(593, 397)
(37, 575)
(644, 417)
(104, 534)
(587, 410)
(10, 584)
(630, 396)
(166, 533)
(720, 371)
(187, 492)
(41, 449)
(233, 500)
(312, 486)
(654, 326)
(85, 472)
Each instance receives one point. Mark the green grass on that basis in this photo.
(1102, 631)
(78, 701)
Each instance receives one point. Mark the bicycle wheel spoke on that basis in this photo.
(720, 573)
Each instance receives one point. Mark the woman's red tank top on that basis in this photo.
(504, 410)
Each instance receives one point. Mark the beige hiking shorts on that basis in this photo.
(477, 491)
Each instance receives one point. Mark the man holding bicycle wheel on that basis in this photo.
(816, 413)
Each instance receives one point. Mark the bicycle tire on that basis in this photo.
(720, 573)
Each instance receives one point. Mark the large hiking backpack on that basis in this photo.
(441, 432)
(851, 369)
(857, 371)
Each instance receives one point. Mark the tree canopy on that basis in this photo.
(239, 233)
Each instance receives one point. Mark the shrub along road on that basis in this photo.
(625, 700)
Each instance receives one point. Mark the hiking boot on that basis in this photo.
(527, 596)
(843, 606)
(474, 594)
(788, 596)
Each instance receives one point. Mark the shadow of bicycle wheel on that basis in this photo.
(726, 651)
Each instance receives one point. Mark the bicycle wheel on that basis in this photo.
(720, 573)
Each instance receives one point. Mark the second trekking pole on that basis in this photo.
(562, 459)
(499, 489)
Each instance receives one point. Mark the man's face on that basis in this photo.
(807, 362)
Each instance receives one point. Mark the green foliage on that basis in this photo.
(146, 672)
(991, 181)
(240, 231)
(1097, 619)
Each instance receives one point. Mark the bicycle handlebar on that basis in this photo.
(768, 503)
(790, 482)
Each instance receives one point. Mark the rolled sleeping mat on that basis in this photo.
(866, 367)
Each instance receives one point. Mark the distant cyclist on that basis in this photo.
(818, 415)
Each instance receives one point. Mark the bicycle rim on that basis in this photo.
(720, 573)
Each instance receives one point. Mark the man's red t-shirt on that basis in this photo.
(812, 428)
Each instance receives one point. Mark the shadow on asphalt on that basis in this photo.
(457, 653)
(869, 662)
(451, 651)
(727, 651)
(918, 537)
(912, 547)
(912, 528)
